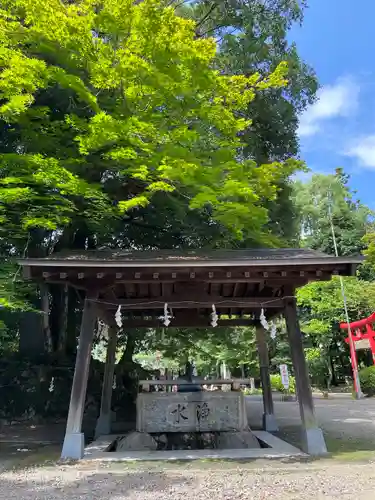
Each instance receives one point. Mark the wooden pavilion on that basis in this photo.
(239, 283)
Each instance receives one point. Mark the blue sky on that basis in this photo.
(338, 40)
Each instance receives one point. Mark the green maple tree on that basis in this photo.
(139, 102)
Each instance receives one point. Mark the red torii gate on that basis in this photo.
(363, 330)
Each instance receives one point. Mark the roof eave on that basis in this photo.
(306, 261)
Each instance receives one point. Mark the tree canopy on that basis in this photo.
(159, 124)
(106, 103)
(323, 195)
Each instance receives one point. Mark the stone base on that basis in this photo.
(101, 450)
(269, 423)
(73, 447)
(103, 426)
(137, 441)
(313, 442)
(237, 440)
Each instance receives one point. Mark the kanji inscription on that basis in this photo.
(190, 412)
(179, 413)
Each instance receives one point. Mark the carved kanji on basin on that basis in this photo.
(190, 412)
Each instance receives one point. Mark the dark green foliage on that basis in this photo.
(318, 367)
(24, 390)
(367, 379)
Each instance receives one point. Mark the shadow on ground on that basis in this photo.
(99, 485)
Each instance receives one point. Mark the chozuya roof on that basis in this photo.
(197, 258)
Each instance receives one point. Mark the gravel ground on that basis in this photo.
(219, 481)
(348, 425)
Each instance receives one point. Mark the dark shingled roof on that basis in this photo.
(191, 255)
(165, 257)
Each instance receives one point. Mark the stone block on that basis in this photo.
(191, 412)
(237, 440)
(137, 441)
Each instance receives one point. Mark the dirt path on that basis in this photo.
(218, 481)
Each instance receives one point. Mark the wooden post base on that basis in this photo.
(312, 436)
(73, 447)
(313, 442)
(269, 423)
(103, 426)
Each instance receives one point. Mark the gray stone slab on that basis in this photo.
(97, 451)
(181, 455)
(191, 412)
(277, 444)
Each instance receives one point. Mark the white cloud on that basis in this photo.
(337, 100)
(363, 149)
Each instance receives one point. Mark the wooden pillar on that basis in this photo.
(312, 436)
(103, 425)
(269, 421)
(74, 441)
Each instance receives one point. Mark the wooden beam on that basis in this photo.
(182, 302)
(214, 381)
(105, 315)
(269, 422)
(74, 439)
(312, 436)
(26, 272)
(219, 276)
(103, 425)
(193, 322)
(184, 323)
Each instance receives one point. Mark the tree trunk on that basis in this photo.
(127, 357)
(55, 291)
(45, 320)
(31, 341)
(63, 321)
(73, 321)
(333, 371)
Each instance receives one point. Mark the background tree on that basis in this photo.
(91, 110)
(321, 310)
(369, 241)
(253, 36)
(208, 348)
(351, 219)
(95, 144)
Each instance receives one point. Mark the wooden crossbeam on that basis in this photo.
(255, 276)
(179, 382)
(184, 323)
(182, 302)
